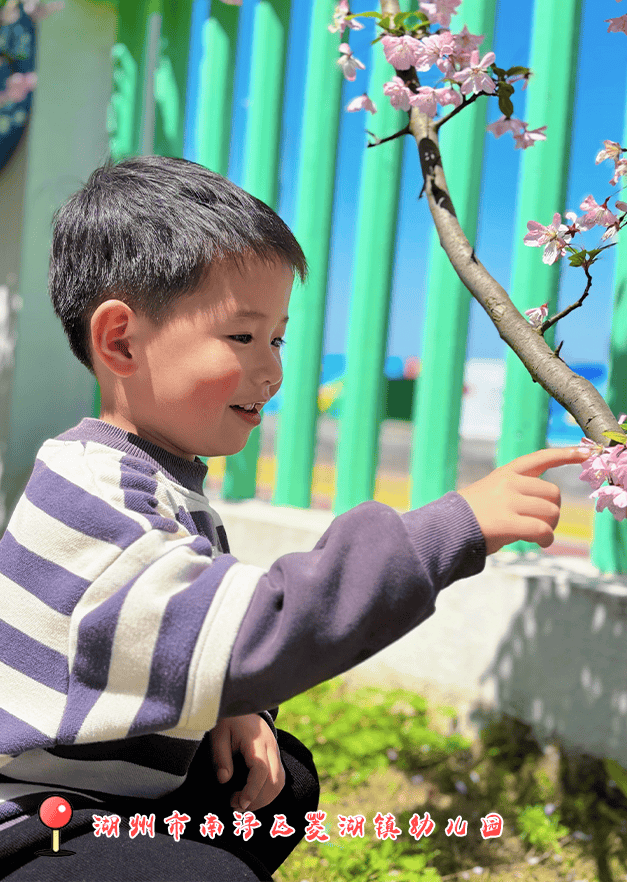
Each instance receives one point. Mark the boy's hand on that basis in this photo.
(252, 737)
(513, 503)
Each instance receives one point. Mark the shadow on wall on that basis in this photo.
(562, 667)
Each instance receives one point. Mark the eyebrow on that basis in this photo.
(254, 314)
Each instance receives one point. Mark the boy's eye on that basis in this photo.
(278, 342)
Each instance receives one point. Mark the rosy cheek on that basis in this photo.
(218, 389)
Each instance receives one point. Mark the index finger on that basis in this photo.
(534, 464)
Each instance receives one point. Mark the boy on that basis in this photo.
(130, 631)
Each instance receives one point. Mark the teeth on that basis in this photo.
(249, 406)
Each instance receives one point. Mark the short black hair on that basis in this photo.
(145, 231)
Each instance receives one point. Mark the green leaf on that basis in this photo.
(363, 15)
(386, 23)
(505, 89)
(505, 106)
(621, 437)
(516, 71)
(616, 772)
(498, 71)
(400, 19)
(578, 259)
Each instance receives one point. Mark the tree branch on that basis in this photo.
(578, 396)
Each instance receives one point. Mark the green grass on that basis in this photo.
(387, 751)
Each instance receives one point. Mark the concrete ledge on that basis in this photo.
(541, 638)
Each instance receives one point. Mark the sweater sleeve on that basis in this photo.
(373, 576)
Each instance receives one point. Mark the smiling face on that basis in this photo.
(192, 377)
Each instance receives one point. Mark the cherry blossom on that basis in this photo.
(551, 236)
(10, 13)
(38, 10)
(425, 100)
(537, 315)
(466, 43)
(503, 125)
(620, 169)
(475, 78)
(596, 215)
(528, 137)
(348, 62)
(339, 19)
(440, 11)
(398, 93)
(362, 102)
(617, 24)
(614, 498)
(400, 52)
(611, 150)
(448, 95)
(17, 87)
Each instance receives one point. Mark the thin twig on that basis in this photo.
(555, 318)
(458, 109)
(378, 140)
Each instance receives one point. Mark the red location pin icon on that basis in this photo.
(55, 812)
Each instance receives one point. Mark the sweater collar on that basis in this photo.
(188, 474)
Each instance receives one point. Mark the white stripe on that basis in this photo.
(214, 645)
(10, 791)
(33, 617)
(77, 465)
(48, 537)
(30, 701)
(136, 635)
(107, 776)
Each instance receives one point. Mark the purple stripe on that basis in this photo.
(198, 522)
(51, 583)
(16, 736)
(172, 755)
(74, 506)
(139, 492)
(90, 671)
(180, 627)
(21, 652)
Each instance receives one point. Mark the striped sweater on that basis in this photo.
(127, 628)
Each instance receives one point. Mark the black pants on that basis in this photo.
(194, 858)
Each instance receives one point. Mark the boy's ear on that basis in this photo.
(113, 329)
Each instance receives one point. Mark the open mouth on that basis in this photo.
(247, 408)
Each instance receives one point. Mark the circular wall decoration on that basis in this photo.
(17, 55)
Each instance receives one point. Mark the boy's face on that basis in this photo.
(219, 350)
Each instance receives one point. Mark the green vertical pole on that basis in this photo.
(357, 454)
(171, 78)
(215, 106)
(296, 435)
(438, 392)
(542, 189)
(609, 546)
(261, 163)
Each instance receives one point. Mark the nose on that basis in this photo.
(269, 368)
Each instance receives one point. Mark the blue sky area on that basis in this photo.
(599, 115)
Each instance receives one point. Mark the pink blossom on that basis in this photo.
(596, 469)
(503, 125)
(617, 24)
(17, 87)
(424, 99)
(518, 77)
(348, 62)
(10, 13)
(596, 215)
(475, 78)
(440, 11)
(362, 102)
(549, 236)
(448, 95)
(339, 19)
(537, 315)
(466, 43)
(398, 93)
(400, 52)
(620, 169)
(611, 150)
(614, 498)
(436, 50)
(38, 10)
(427, 53)
(528, 137)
